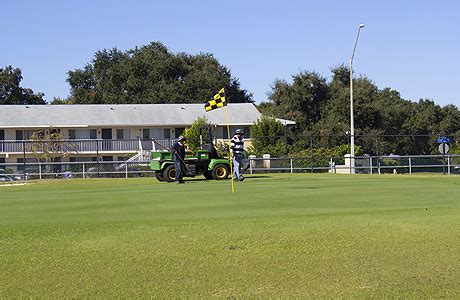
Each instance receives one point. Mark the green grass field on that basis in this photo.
(301, 235)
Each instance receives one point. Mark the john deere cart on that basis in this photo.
(200, 162)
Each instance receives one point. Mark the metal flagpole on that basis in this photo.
(228, 136)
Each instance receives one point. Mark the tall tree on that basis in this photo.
(12, 93)
(302, 100)
(384, 122)
(152, 74)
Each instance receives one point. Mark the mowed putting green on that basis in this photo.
(300, 235)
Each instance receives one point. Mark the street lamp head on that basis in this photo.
(361, 25)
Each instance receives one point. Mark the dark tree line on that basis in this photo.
(11, 91)
(152, 74)
(384, 122)
(144, 75)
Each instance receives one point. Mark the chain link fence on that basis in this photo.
(55, 170)
(435, 164)
(384, 154)
(448, 164)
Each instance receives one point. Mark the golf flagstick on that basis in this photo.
(229, 148)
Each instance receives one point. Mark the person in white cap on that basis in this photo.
(237, 147)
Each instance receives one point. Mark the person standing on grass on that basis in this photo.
(237, 147)
(178, 150)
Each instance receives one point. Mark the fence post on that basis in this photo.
(285, 136)
(410, 165)
(267, 161)
(370, 164)
(448, 164)
(378, 165)
(292, 171)
(83, 170)
(444, 158)
(251, 163)
(39, 170)
(311, 152)
(126, 170)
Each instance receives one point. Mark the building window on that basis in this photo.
(145, 134)
(225, 132)
(82, 159)
(2, 137)
(178, 131)
(24, 134)
(92, 134)
(157, 133)
(106, 133)
(71, 134)
(120, 134)
(19, 135)
(167, 133)
(123, 134)
(247, 132)
(82, 134)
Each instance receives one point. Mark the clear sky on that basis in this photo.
(411, 46)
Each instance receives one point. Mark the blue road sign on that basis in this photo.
(443, 139)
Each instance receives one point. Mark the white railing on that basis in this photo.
(82, 146)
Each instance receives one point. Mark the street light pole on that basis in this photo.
(352, 119)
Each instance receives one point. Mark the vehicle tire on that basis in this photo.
(208, 175)
(169, 173)
(220, 172)
(159, 176)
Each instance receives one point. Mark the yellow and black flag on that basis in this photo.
(217, 102)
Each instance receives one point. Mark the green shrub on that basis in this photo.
(200, 127)
(268, 137)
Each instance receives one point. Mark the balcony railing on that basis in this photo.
(82, 146)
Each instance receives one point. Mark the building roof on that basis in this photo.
(123, 115)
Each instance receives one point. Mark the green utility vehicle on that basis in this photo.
(201, 162)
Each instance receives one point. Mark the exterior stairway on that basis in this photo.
(141, 156)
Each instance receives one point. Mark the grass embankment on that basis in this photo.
(278, 236)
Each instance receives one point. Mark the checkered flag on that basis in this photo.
(217, 102)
